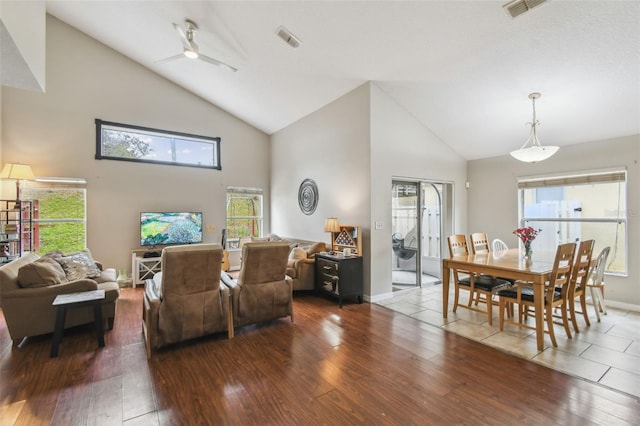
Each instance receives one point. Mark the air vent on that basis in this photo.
(289, 38)
(518, 7)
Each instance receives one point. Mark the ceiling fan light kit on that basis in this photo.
(532, 151)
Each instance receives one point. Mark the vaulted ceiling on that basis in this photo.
(462, 68)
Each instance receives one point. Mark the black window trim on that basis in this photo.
(99, 123)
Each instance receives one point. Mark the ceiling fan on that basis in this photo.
(191, 50)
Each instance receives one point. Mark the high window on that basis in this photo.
(115, 141)
(244, 214)
(59, 213)
(579, 207)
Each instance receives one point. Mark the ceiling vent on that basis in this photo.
(289, 38)
(518, 7)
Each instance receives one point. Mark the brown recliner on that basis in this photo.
(262, 291)
(186, 300)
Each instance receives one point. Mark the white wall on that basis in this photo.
(402, 147)
(493, 183)
(54, 132)
(22, 31)
(330, 146)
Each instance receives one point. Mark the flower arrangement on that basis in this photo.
(527, 235)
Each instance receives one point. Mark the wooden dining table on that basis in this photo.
(504, 264)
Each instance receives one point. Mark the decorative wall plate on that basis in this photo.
(308, 196)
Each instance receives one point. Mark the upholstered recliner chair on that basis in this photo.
(186, 300)
(262, 291)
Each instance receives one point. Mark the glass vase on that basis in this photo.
(527, 250)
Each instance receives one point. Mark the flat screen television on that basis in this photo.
(167, 228)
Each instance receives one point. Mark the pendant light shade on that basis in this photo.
(532, 151)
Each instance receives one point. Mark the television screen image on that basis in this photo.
(165, 228)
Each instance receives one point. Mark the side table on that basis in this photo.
(339, 276)
(62, 302)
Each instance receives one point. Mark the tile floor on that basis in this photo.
(607, 352)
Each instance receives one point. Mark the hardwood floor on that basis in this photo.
(362, 364)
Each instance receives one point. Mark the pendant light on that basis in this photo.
(532, 151)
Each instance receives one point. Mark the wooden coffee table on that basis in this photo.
(62, 302)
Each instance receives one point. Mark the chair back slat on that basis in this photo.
(581, 265)
(561, 272)
(596, 275)
(479, 243)
(457, 244)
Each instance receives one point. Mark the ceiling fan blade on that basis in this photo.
(183, 36)
(216, 62)
(170, 58)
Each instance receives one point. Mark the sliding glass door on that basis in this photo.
(420, 212)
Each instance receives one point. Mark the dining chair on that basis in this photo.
(479, 243)
(579, 277)
(499, 245)
(595, 283)
(484, 285)
(556, 292)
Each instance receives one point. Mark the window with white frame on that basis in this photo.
(59, 213)
(579, 206)
(244, 214)
(115, 141)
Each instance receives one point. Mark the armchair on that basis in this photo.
(262, 291)
(186, 300)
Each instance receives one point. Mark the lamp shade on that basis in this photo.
(534, 153)
(17, 171)
(331, 225)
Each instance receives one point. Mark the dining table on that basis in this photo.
(510, 264)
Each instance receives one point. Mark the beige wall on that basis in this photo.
(403, 147)
(330, 146)
(494, 180)
(352, 148)
(22, 57)
(54, 132)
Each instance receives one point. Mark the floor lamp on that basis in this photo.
(17, 172)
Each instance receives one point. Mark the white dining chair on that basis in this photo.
(596, 282)
(499, 245)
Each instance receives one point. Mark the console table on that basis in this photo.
(144, 268)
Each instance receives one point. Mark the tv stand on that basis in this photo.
(145, 263)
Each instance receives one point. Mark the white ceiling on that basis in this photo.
(464, 69)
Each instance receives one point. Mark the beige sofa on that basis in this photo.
(27, 306)
(301, 263)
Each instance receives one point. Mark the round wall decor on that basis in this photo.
(308, 196)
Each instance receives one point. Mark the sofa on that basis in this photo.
(301, 262)
(29, 284)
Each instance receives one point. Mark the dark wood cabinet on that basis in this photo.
(339, 276)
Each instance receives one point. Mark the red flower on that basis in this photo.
(527, 234)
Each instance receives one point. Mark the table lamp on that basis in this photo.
(331, 225)
(18, 172)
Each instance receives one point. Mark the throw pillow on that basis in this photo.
(274, 237)
(41, 273)
(316, 248)
(259, 239)
(79, 265)
(297, 253)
